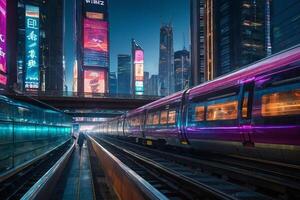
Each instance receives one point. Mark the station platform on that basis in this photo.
(77, 181)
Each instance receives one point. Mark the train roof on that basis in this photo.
(249, 72)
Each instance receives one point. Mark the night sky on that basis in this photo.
(138, 19)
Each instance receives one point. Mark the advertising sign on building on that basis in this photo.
(94, 81)
(96, 6)
(3, 62)
(32, 38)
(95, 43)
(139, 71)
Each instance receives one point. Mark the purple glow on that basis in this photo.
(3, 67)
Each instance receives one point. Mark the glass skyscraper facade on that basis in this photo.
(182, 69)
(166, 61)
(240, 33)
(124, 74)
(285, 24)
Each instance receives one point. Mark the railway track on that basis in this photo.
(175, 180)
(275, 180)
(15, 186)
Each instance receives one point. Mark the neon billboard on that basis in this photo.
(95, 43)
(99, 6)
(139, 71)
(3, 63)
(32, 38)
(94, 81)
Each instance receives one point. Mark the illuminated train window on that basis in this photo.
(156, 118)
(281, 103)
(199, 113)
(222, 111)
(164, 117)
(172, 117)
(150, 119)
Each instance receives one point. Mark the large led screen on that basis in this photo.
(32, 38)
(95, 43)
(139, 71)
(3, 64)
(94, 81)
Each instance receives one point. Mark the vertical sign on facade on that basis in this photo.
(139, 72)
(3, 62)
(32, 38)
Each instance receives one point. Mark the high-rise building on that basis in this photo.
(285, 23)
(240, 33)
(40, 45)
(92, 50)
(182, 69)
(166, 61)
(137, 68)
(112, 83)
(198, 50)
(226, 35)
(154, 85)
(146, 83)
(124, 74)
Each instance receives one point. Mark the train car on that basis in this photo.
(254, 111)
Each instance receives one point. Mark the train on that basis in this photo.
(252, 112)
(27, 132)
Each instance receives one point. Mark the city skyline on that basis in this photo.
(143, 25)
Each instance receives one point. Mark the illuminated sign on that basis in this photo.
(99, 6)
(3, 63)
(3, 79)
(139, 71)
(94, 81)
(95, 43)
(32, 38)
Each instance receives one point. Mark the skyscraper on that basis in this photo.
(154, 85)
(166, 61)
(137, 68)
(40, 49)
(285, 23)
(92, 51)
(146, 83)
(182, 69)
(226, 35)
(112, 83)
(240, 33)
(124, 74)
(198, 50)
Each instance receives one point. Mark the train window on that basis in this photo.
(199, 113)
(149, 118)
(245, 105)
(172, 117)
(156, 119)
(164, 117)
(281, 103)
(222, 111)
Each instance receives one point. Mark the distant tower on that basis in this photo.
(124, 74)
(166, 61)
(182, 69)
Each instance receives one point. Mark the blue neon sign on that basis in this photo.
(32, 39)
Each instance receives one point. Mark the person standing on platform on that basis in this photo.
(80, 140)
